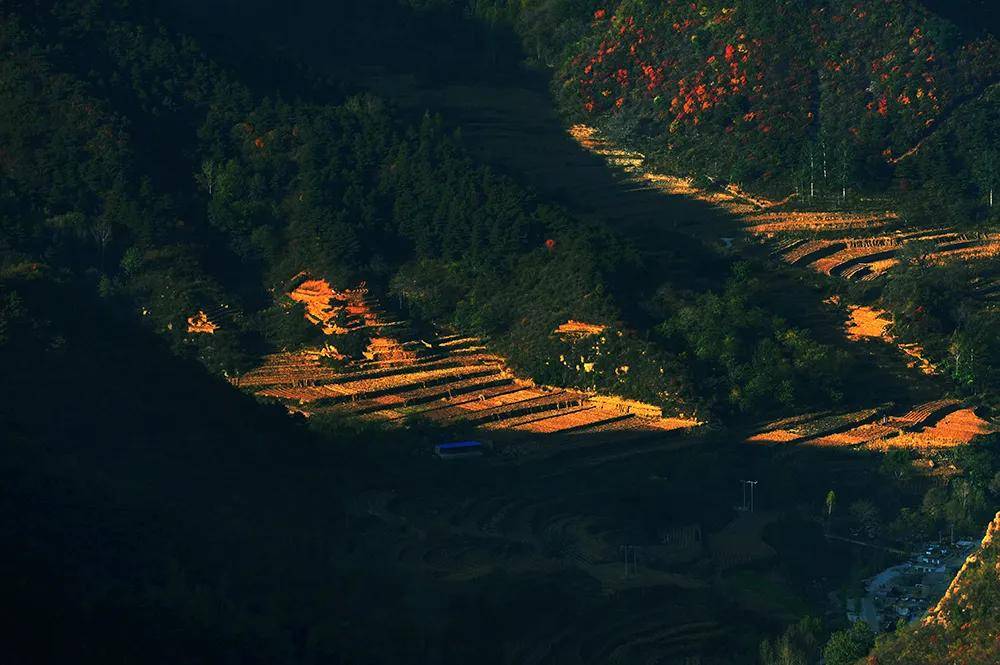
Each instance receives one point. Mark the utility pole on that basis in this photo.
(752, 483)
(631, 563)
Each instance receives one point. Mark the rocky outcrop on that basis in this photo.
(958, 599)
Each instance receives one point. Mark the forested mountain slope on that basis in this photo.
(178, 189)
(164, 176)
(819, 98)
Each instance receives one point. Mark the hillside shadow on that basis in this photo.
(469, 72)
(352, 40)
(175, 491)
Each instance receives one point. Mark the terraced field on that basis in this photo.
(857, 246)
(562, 524)
(940, 423)
(450, 379)
(207, 321)
(866, 257)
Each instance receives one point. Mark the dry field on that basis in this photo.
(449, 379)
(337, 312)
(803, 221)
(870, 252)
(209, 319)
(941, 423)
(856, 246)
(870, 256)
(200, 324)
(578, 329)
(955, 429)
(936, 424)
(859, 246)
(867, 323)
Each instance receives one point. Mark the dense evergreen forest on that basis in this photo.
(160, 158)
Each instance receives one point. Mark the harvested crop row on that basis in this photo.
(809, 429)
(550, 421)
(924, 412)
(398, 382)
(836, 264)
(812, 250)
(856, 436)
(978, 251)
(584, 419)
(959, 426)
(517, 412)
(784, 222)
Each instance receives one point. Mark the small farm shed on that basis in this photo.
(459, 449)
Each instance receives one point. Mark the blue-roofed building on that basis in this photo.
(459, 449)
